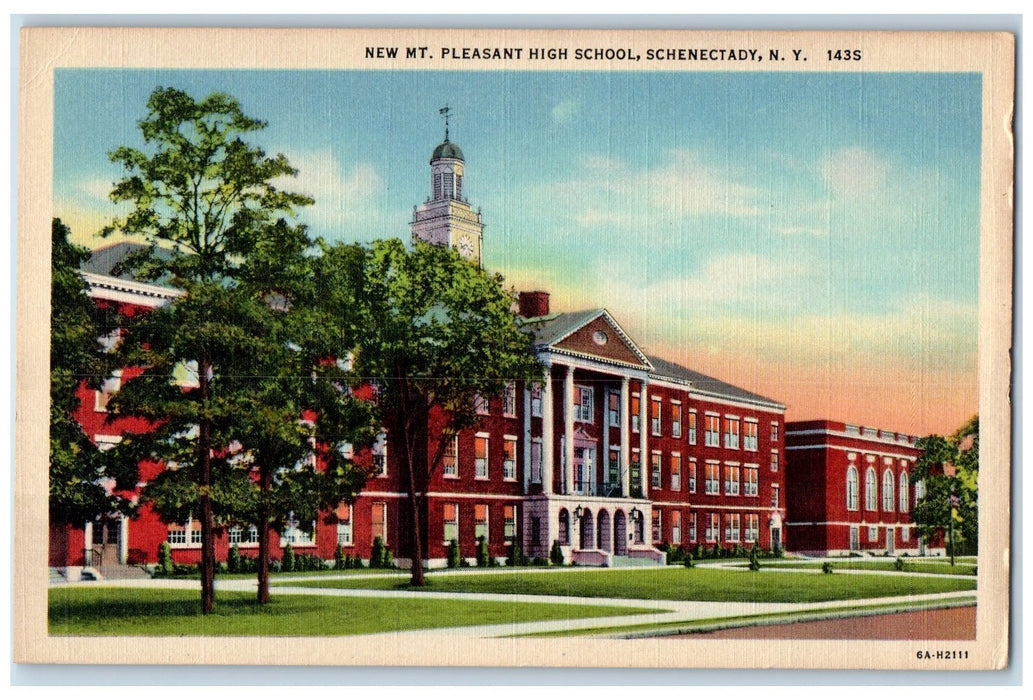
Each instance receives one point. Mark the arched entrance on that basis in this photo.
(587, 530)
(620, 533)
(604, 537)
(564, 529)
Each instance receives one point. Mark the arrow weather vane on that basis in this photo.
(446, 111)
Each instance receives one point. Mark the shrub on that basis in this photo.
(755, 558)
(556, 554)
(288, 558)
(482, 551)
(376, 557)
(165, 565)
(899, 565)
(516, 557)
(339, 557)
(233, 560)
(453, 554)
(539, 561)
(700, 551)
(826, 567)
(387, 561)
(687, 561)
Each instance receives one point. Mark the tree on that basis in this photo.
(437, 331)
(204, 199)
(77, 471)
(948, 468)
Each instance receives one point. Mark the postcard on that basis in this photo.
(666, 349)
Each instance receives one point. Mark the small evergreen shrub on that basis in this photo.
(339, 557)
(755, 558)
(288, 558)
(453, 554)
(687, 561)
(376, 557)
(539, 561)
(165, 564)
(899, 565)
(700, 551)
(482, 552)
(233, 560)
(556, 554)
(826, 567)
(387, 560)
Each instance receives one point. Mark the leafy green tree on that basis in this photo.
(205, 200)
(948, 468)
(437, 331)
(78, 471)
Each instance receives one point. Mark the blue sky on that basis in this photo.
(789, 232)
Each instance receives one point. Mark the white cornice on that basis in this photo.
(128, 291)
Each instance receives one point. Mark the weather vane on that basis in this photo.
(446, 111)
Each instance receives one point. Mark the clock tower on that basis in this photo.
(446, 218)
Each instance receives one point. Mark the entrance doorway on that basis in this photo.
(106, 542)
(620, 534)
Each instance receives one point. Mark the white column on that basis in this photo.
(643, 431)
(527, 436)
(548, 437)
(568, 430)
(603, 460)
(625, 438)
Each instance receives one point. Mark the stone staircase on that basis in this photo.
(633, 561)
(122, 571)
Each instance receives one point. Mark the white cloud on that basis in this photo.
(344, 196)
(851, 172)
(566, 110)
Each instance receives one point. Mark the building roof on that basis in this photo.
(447, 149)
(103, 261)
(556, 326)
(707, 385)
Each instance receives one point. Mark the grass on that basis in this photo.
(768, 586)
(159, 613)
(917, 567)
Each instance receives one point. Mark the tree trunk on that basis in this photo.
(263, 537)
(204, 446)
(417, 578)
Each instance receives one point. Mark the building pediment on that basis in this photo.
(590, 334)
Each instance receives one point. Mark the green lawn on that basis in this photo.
(767, 585)
(156, 613)
(918, 567)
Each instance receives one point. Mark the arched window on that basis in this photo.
(903, 500)
(871, 490)
(851, 488)
(888, 492)
(564, 527)
(919, 491)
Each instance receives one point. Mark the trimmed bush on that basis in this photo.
(826, 567)
(755, 558)
(556, 554)
(339, 557)
(233, 560)
(483, 559)
(387, 561)
(288, 558)
(688, 562)
(165, 564)
(376, 557)
(453, 554)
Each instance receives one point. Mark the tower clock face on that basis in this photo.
(465, 246)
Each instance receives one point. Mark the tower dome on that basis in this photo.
(447, 149)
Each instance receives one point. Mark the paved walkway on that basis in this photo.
(668, 611)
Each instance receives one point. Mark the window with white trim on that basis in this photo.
(692, 475)
(294, 535)
(903, 499)
(675, 471)
(583, 403)
(536, 461)
(186, 534)
(509, 400)
(480, 521)
(676, 419)
(731, 527)
(888, 490)
(238, 535)
(655, 470)
(536, 399)
(713, 526)
(480, 455)
(655, 414)
(712, 436)
(871, 490)
(905, 533)
(657, 528)
(481, 405)
(509, 447)
(380, 455)
(450, 460)
(774, 495)
(752, 532)
(873, 534)
(713, 478)
(509, 518)
(750, 473)
(344, 525)
(450, 520)
(108, 389)
(851, 488)
(378, 522)
(634, 410)
(731, 432)
(774, 431)
(731, 479)
(919, 491)
(613, 472)
(691, 534)
(692, 428)
(613, 409)
(676, 526)
(774, 460)
(749, 435)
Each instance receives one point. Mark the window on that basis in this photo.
(774, 495)
(509, 400)
(774, 431)
(655, 471)
(675, 472)
(657, 529)
(749, 436)
(451, 522)
(536, 399)
(919, 491)
(583, 404)
(851, 488)
(750, 473)
(676, 419)
(380, 455)
(774, 460)
(731, 432)
(692, 475)
(613, 474)
(871, 490)
(509, 522)
(752, 533)
(676, 526)
(509, 449)
(713, 527)
(731, 527)
(713, 481)
(480, 456)
(536, 461)
(295, 535)
(905, 534)
(873, 534)
(613, 408)
(344, 525)
(480, 521)
(378, 522)
(635, 472)
(903, 500)
(450, 460)
(481, 405)
(449, 183)
(692, 427)
(564, 529)
(888, 490)
(437, 185)
(656, 407)
(731, 479)
(855, 538)
(691, 534)
(110, 386)
(634, 410)
(712, 437)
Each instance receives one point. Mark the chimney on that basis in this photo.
(534, 304)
